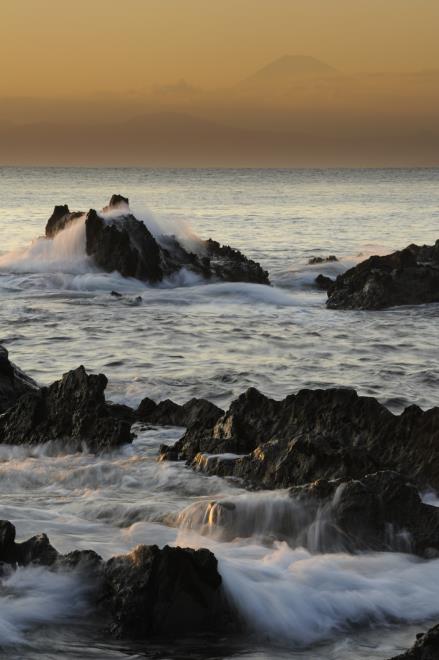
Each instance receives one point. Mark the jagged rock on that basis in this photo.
(120, 242)
(315, 434)
(36, 550)
(13, 382)
(321, 260)
(406, 277)
(168, 413)
(60, 219)
(169, 591)
(72, 410)
(426, 647)
(146, 592)
(323, 282)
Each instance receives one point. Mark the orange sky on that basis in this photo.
(107, 62)
(62, 46)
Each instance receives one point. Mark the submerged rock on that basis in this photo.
(72, 410)
(168, 591)
(314, 434)
(13, 382)
(117, 241)
(426, 647)
(406, 277)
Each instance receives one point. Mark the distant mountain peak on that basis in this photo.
(290, 66)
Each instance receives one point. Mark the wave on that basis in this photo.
(35, 596)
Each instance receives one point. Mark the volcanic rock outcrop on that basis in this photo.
(168, 413)
(117, 241)
(405, 277)
(314, 434)
(72, 411)
(13, 382)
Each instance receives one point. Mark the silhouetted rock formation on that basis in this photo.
(406, 277)
(324, 282)
(13, 382)
(72, 411)
(322, 260)
(120, 242)
(314, 434)
(426, 647)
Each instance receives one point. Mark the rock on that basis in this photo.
(426, 647)
(36, 550)
(117, 241)
(60, 219)
(316, 434)
(116, 294)
(169, 591)
(379, 512)
(13, 382)
(323, 282)
(406, 277)
(123, 244)
(321, 260)
(72, 410)
(168, 413)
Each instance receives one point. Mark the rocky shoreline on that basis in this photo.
(347, 461)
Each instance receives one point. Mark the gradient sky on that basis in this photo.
(83, 46)
(94, 62)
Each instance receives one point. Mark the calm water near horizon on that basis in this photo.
(189, 338)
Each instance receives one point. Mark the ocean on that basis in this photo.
(187, 337)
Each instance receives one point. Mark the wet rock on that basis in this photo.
(322, 260)
(323, 282)
(36, 550)
(13, 382)
(317, 434)
(60, 219)
(379, 512)
(117, 241)
(169, 591)
(406, 277)
(168, 413)
(426, 647)
(72, 411)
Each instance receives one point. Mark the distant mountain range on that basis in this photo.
(291, 66)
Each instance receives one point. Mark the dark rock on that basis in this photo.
(116, 294)
(120, 242)
(316, 434)
(13, 382)
(72, 410)
(168, 413)
(169, 591)
(123, 244)
(426, 647)
(406, 277)
(323, 282)
(379, 512)
(36, 550)
(60, 219)
(321, 260)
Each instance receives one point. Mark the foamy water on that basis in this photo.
(190, 338)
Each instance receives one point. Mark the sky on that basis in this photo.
(95, 62)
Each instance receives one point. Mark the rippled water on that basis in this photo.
(188, 338)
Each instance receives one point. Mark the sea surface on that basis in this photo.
(186, 338)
